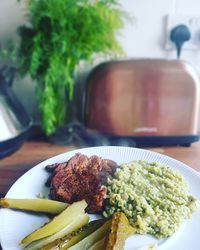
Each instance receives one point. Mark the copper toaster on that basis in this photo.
(144, 98)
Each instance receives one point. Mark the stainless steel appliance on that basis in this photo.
(15, 123)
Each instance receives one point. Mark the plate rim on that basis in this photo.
(74, 151)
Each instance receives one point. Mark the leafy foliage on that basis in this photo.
(60, 34)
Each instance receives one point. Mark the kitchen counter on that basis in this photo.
(31, 153)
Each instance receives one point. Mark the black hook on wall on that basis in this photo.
(179, 35)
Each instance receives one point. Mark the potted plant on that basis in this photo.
(59, 34)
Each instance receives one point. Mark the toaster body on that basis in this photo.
(144, 97)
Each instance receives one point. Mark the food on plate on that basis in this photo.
(136, 197)
(69, 220)
(109, 236)
(99, 245)
(76, 236)
(81, 177)
(119, 232)
(92, 238)
(34, 205)
(39, 244)
(154, 197)
(151, 246)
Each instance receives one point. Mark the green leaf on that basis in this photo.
(60, 34)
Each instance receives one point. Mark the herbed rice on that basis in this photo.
(153, 196)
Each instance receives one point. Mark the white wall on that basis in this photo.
(11, 15)
(144, 38)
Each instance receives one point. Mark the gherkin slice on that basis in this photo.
(34, 205)
(64, 219)
(92, 238)
(119, 232)
(76, 236)
(81, 220)
(99, 245)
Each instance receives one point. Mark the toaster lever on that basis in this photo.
(179, 35)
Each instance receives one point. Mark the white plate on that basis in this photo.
(16, 224)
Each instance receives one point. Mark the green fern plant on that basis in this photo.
(60, 34)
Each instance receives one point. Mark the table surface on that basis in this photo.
(31, 153)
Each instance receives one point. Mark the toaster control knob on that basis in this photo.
(179, 35)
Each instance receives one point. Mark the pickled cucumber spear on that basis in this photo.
(92, 238)
(34, 205)
(120, 230)
(99, 245)
(66, 218)
(73, 238)
(97, 235)
(81, 220)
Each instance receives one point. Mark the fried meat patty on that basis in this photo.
(81, 177)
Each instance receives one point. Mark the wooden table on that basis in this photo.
(31, 153)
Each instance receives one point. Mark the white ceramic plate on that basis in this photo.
(14, 225)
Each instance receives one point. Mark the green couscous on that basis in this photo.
(154, 197)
